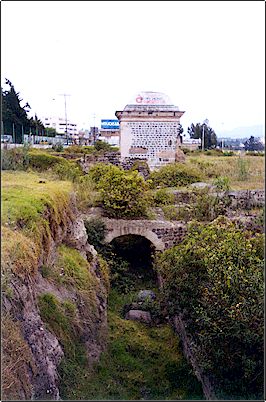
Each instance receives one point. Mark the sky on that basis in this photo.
(207, 56)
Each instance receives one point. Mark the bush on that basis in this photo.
(99, 170)
(102, 146)
(175, 175)
(214, 152)
(96, 231)
(15, 158)
(123, 194)
(228, 153)
(163, 197)
(58, 147)
(222, 183)
(66, 170)
(208, 206)
(214, 278)
(171, 212)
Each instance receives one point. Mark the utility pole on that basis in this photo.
(94, 134)
(65, 95)
(206, 121)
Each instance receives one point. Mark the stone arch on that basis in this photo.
(135, 230)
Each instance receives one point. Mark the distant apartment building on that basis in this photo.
(110, 131)
(60, 125)
(150, 129)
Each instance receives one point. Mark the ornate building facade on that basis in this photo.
(150, 129)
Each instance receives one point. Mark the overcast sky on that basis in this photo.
(208, 57)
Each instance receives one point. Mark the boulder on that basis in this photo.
(179, 156)
(139, 315)
(201, 185)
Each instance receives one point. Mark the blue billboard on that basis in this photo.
(110, 124)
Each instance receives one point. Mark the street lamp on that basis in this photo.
(206, 121)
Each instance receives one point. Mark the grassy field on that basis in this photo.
(26, 230)
(244, 172)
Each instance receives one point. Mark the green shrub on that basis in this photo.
(215, 279)
(175, 175)
(255, 153)
(222, 183)
(42, 161)
(15, 158)
(58, 147)
(99, 170)
(102, 146)
(123, 194)
(96, 231)
(66, 170)
(46, 271)
(214, 152)
(228, 153)
(163, 197)
(170, 212)
(208, 206)
(74, 149)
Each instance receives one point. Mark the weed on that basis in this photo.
(170, 212)
(163, 197)
(86, 193)
(222, 183)
(242, 169)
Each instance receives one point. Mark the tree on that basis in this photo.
(210, 138)
(180, 129)
(50, 132)
(102, 146)
(253, 144)
(14, 116)
(36, 126)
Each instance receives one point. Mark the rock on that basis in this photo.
(139, 315)
(201, 185)
(179, 155)
(145, 295)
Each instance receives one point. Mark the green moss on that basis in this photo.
(74, 269)
(58, 316)
(140, 363)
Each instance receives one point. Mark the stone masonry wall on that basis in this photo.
(241, 199)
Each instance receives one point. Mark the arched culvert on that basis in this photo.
(138, 231)
(138, 252)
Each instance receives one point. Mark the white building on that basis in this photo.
(149, 129)
(59, 124)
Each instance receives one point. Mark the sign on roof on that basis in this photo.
(151, 98)
(112, 124)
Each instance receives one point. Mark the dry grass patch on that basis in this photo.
(19, 254)
(16, 362)
(244, 172)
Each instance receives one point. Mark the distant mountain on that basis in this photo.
(243, 132)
